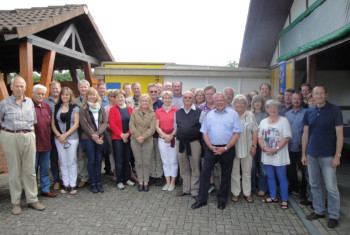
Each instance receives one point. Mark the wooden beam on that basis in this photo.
(47, 70)
(64, 35)
(26, 65)
(73, 74)
(88, 75)
(51, 46)
(311, 70)
(3, 88)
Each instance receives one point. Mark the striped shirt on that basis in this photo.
(14, 117)
(245, 141)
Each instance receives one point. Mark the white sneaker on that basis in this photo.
(171, 187)
(130, 183)
(165, 188)
(120, 186)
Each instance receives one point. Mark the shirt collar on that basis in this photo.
(192, 107)
(12, 97)
(223, 111)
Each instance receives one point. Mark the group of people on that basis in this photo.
(166, 132)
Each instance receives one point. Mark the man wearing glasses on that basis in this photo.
(177, 94)
(187, 123)
(156, 161)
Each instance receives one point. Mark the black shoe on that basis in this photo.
(99, 188)
(332, 223)
(109, 172)
(151, 181)
(221, 205)
(159, 182)
(305, 203)
(197, 205)
(146, 188)
(313, 216)
(94, 188)
(140, 187)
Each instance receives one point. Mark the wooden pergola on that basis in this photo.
(48, 39)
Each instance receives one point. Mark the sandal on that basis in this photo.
(64, 189)
(284, 205)
(270, 200)
(73, 191)
(249, 199)
(235, 198)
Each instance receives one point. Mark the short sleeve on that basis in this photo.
(306, 120)
(287, 132)
(338, 117)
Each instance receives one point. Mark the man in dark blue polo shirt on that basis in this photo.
(322, 143)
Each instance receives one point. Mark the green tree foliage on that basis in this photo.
(60, 76)
(232, 63)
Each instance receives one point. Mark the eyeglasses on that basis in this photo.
(153, 91)
(66, 145)
(188, 97)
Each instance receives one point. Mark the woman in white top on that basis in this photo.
(274, 134)
(245, 150)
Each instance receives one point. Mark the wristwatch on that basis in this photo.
(254, 146)
(339, 154)
(278, 148)
(226, 149)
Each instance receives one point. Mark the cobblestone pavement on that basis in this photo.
(155, 212)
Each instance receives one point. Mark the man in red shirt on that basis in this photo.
(43, 138)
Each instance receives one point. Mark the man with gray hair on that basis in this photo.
(133, 101)
(168, 86)
(17, 119)
(43, 138)
(83, 86)
(55, 89)
(229, 92)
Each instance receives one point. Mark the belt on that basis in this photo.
(17, 131)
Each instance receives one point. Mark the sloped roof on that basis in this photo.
(266, 19)
(47, 23)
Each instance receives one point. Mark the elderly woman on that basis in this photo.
(245, 150)
(142, 126)
(274, 134)
(119, 118)
(199, 97)
(93, 122)
(258, 108)
(65, 123)
(166, 141)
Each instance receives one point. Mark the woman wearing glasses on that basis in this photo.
(93, 122)
(65, 123)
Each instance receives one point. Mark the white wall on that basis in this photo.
(298, 7)
(240, 85)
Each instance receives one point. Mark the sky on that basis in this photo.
(182, 31)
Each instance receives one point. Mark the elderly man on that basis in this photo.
(133, 101)
(221, 129)
(43, 137)
(127, 90)
(156, 171)
(287, 102)
(209, 103)
(229, 92)
(265, 91)
(168, 87)
(187, 123)
(83, 86)
(177, 94)
(296, 121)
(101, 89)
(17, 119)
(322, 144)
(160, 89)
(55, 89)
(306, 89)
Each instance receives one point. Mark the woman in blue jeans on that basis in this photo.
(274, 134)
(93, 121)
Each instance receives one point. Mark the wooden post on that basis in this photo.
(47, 70)
(311, 70)
(26, 65)
(73, 74)
(3, 88)
(88, 75)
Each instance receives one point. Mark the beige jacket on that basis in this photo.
(142, 125)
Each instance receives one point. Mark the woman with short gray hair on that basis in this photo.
(245, 150)
(274, 134)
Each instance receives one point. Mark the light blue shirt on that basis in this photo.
(221, 127)
(105, 101)
(296, 121)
